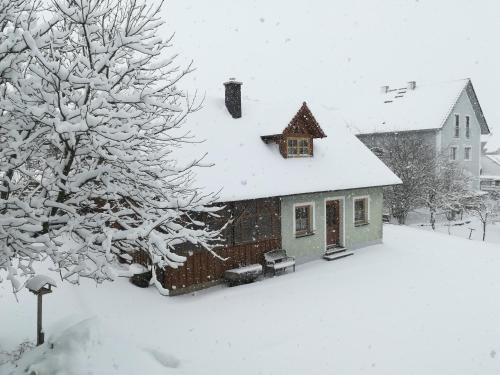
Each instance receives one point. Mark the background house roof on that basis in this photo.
(425, 107)
(490, 166)
(247, 168)
(491, 143)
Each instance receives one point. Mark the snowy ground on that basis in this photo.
(422, 303)
(461, 227)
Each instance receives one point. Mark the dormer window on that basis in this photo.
(296, 140)
(298, 147)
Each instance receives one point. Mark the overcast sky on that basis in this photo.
(334, 52)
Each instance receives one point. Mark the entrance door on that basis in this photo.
(332, 223)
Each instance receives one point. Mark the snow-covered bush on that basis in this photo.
(87, 167)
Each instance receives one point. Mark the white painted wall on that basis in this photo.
(463, 108)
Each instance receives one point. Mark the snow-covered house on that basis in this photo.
(287, 177)
(447, 115)
(490, 173)
(490, 163)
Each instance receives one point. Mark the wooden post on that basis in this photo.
(40, 285)
(39, 332)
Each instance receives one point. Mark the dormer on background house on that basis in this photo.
(297, 138)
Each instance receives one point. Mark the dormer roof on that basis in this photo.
(304, 122)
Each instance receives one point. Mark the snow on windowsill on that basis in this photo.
(361, 224)
(305, 234)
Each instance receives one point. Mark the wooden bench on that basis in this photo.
(278, 260)
(243, 275)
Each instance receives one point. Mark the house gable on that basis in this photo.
(466, 140)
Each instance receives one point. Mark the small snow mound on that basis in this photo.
(89, 348)
(165, 359)
(62, 353)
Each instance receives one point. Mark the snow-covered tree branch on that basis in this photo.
(90, 173)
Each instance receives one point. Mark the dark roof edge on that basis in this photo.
(477, 108)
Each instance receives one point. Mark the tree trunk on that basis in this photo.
(433, 220)
(484, 230)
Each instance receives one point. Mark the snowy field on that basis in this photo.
(461, 227)
(422, 303)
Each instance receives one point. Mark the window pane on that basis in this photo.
(302, 219)
(298, 147)
(467, 153)
(304, 147)
(360, 213)
(292, 147)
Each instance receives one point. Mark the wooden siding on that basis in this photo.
(202, 267)
(254, 228)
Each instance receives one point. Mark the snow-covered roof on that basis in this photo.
(424, 107)
(492, 143)
(247, 168)
(38, 282)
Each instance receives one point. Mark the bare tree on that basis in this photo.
(484, 207)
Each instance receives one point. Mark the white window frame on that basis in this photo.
(456, 153)
(470, 152)
(342, 218)
(298, 154)
(354, 199)
(313, 218)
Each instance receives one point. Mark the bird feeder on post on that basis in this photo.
(40, 285)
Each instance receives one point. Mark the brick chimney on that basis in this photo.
(233, 97)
